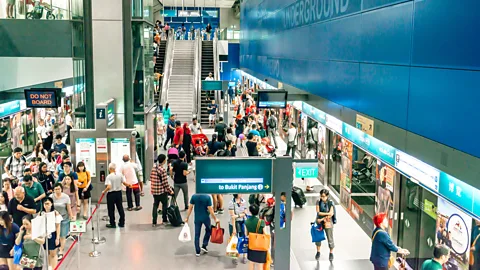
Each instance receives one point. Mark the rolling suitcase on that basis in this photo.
(298, 197)
(173, 213)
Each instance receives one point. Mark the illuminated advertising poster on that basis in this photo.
(321, 152)
(85, 151)
(345, 199)
(453, 230)
(385, 176)
(346, 166)
(118, 148)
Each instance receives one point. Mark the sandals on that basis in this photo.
(60, 257)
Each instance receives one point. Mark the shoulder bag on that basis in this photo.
(472, 256)
(259, 242)
(30, 262)
(391, 260)
(291, 144)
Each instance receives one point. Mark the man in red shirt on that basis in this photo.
(178, 138)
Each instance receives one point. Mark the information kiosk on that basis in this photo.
(102, 145)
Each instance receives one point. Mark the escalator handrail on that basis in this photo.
(167, 68)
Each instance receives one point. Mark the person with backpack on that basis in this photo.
(15, 165)
(326, 217)
(221, 129)
(272, 123)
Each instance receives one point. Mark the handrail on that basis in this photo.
(216, 69)
(167, 67)
(198, 73)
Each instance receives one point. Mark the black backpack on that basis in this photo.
(173, 213)
(272, 123)
(267, 213)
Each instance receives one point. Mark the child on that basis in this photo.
(35, 166)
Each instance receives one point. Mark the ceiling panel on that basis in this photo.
(199, 3)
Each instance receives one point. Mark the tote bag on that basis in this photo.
(217, 234)
(258, 242)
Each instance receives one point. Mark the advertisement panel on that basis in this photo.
(85, 151)
(118, 148)
(453, 230)
(365, 124)
(346, 165)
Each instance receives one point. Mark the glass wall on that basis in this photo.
(334, 160)
(17, 130)
(41, 10)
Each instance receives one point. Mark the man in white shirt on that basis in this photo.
(42, 131)
(292, 139)
(195, 127)
(69, 123)
(128, 170)
(210, 77)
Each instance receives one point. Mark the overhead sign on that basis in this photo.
(306, 170)
(214, 85)
(43, 97)
(100, 113)
(111, 113)
(188, 13)
(9, 108)
(420, 171)
(233, 175)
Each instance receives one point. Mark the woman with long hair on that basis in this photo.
(71, 190)
(52, 160)
(8, 232)
(4, 201)
(45, 178)
(54, 237)
(7, 187)
(187, 143)
(84, 187)
(30, 247)
(40, 152)
(166, 113)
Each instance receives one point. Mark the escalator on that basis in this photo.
(207, 67)
(160, 65)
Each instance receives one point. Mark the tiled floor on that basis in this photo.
(139, 246)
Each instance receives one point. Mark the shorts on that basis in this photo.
(211, 117)
(5, 251)
(84, 195)
(51, 241)
(64, 228)
(257, 256)
(329, 235)
(11, 2)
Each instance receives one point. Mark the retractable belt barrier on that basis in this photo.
(94, 240)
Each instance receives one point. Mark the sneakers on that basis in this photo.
(244, 260)
(220, 211)
(330, 257)
(204, 249)
(111, 226)
(198, 255)
(317, 256)
(138, 208)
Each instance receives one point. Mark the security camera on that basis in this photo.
(134, 133)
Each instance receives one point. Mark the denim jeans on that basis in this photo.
(198, 229)
(157, 199)
(136, 194)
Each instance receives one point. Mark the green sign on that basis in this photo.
(214, 85)
(9, 108)
(111, 113)
(233, 175)
(306, 170)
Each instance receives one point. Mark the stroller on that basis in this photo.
(199, 142)
(37, 12)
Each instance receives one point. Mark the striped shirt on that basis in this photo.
(159, 180)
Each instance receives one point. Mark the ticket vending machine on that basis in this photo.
(102, 145)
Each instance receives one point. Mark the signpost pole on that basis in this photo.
(282, 182)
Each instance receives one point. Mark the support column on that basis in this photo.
(128, 62)
(89, 76)
(108, 56)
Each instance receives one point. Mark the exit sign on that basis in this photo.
(306, 170)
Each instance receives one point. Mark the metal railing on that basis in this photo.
(216, 69)
(198, 73)
(167, 68)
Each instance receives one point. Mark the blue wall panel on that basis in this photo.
(384, 58)
(446, 34)
(384, 92)
(386, 35)
(438, 111)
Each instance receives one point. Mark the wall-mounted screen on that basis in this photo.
(43, 97)
(272, 99)
(169, 13)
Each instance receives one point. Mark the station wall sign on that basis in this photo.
(233, 175)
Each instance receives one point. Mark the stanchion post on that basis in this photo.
(78, 252)
(94, 239)
(100, 240)
(94, 253)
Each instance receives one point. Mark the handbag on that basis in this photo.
(17, 253)
(317, 232)
(258, 242)
(232, 247)
(291, 144)
(185, 235)
(242, 245)
(472, 258)
(30, 262)
(217, 234)
(136, 186)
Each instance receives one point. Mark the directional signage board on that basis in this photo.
(306, 170)
(233, 175)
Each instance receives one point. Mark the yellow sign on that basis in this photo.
(58, 84)
(364, 124)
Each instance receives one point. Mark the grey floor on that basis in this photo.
(139, 246)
